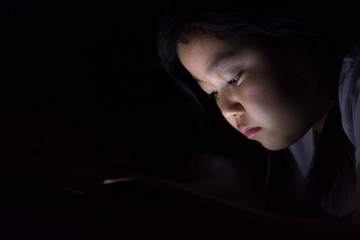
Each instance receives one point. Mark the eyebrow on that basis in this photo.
(215, 63)
(218, 61)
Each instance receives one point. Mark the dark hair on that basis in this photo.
(297, 37)
(300, 38)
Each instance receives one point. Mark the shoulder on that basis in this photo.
(349, 84)
(349, 63)
(349, 97)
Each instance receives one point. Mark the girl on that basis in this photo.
(286, 80)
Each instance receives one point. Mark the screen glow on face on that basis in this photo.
(252, 90)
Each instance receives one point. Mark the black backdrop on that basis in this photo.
(84, 98)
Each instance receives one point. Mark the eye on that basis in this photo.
(235, 80)
(212, 95)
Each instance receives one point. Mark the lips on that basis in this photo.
(249, 132)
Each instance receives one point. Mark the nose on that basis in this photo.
(231, 108)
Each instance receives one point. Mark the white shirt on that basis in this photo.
(341, 199)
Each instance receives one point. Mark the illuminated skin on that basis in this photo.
(254, 93)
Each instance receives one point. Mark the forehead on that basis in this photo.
(202, 49)
(197, 44)
(205, 51)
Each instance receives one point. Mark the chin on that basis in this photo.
(273, 146)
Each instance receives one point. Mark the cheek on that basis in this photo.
(262, 100)
(283, 123)
(271, 108)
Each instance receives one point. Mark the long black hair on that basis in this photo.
(296, 35)
(301, 39)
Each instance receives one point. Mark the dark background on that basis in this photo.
(84, 99)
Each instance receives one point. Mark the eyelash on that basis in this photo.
(212, 95)
(233, 82)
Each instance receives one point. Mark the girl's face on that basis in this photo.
(256, 94)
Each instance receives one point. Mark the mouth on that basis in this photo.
(249, 132)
